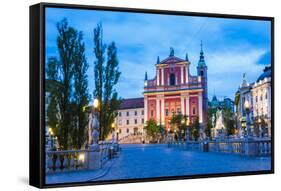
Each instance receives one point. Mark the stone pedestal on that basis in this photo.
(94, 157)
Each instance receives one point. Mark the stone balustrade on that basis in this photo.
(245, 146)
(73, 160)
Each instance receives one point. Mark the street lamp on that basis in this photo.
(96, 103)
(260, 129)
(248, 122)
(51, 133)
(113, 132)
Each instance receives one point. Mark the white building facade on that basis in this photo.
(130, 119)
(258, 95)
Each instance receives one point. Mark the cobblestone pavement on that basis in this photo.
(145, 161)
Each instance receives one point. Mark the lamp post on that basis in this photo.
(182, 128)
(260, 129)
(248, 122)
(113, 132)
(52, 138)
(176, 136)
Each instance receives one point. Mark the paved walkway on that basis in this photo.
(144, 161)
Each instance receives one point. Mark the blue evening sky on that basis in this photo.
(231, 46)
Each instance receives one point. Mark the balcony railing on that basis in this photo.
(173, 87)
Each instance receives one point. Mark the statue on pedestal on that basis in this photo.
(93, 130)
(220, 130)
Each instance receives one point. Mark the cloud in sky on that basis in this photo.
(232, 46)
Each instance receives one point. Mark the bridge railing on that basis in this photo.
(74, 160)
(246, 146)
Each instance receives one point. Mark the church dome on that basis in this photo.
(266, 73)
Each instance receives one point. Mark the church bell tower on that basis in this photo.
(202, 74)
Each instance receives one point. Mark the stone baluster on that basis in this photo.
(57, 162)
(64, 157)
(72, 161)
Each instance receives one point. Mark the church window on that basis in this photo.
(167, 112)
(128, 122)
(201, 73)
(193, 110)
(136, 121)
(127, 113)
(127, 130)
(172, 80)
(151, 113)
(266, 95)
(136, 112)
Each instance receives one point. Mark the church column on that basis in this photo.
(182, 75)
(182, 105)
(187, 105)
(162, 76)
(200, 105)
(186, 75)
(157, 76)
(157, 110)
(145, 109)
(162, 110)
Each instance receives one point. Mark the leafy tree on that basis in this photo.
(80, 94)
(51, 95)
(236, 103)
(178, 122)
(152, 129)
(99, 50)
(106, 77)
(237, 98)
(60, 78)
(194, 129)
(229, 121)
(208, 129)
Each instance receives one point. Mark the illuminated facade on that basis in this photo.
(130, 118)
(175, 90)
(258, 94)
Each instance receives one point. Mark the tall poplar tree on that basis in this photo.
(66, 81)
(80, 94)
(106, 77)
(111, 77)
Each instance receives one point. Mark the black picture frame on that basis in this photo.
(37, 87)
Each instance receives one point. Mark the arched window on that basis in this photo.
(201, 73)
(172, 80)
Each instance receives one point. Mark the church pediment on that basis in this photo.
(172, 60)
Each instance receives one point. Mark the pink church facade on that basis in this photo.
(174, 90)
